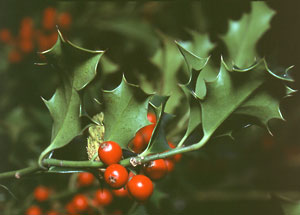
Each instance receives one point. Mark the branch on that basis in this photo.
(20, 173)
(133, 161)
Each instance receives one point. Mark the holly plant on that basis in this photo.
(127, 142)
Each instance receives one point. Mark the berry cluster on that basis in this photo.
(29, 39)
(139, 187)
(120, 182)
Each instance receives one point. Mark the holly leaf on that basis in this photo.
(77, 68)
(200, 46)
(108, 66)
(242, 35)
(158, 142)
(125, 112)
(168, 60)
(194, 112)
(249, 92)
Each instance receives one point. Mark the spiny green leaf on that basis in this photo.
(76, 67)
(168, 60)
(243, 34)
(108, 66)
(158, 142)
(194, 112)
(195, 65)
(242, 92)
(200, 46)
(125, 112)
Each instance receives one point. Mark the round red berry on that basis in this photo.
(34, 210)
(138, 144)
(110, 152)
(140, 187)
(116, 175)
(170, 165)
(147, 132)
(70, 208)
(122, 192)
(156, 169)
(176, 157)
(41, 193)
(64, 20)
(103, 197)
(151, 117)
(85, 178)
(80, 202)
(5, 35)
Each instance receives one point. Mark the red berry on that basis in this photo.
(41, 193)
(80, 202)
(156, 169)
(26, 45)
(103, 197)
(26, 30)
(49, 18)
(70, 208)
(122, 192)
(64, 20)
(110, 152)
(116, 175)
(170, 165)
(151, 117)
(138, 143)
(147, 132)
(34, 210)
(5, 35)
(176, 157)
(140, 187)
(14, 56)
(85, 178)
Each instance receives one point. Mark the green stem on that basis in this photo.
(95, 164)
(19, 173)
(126, 162)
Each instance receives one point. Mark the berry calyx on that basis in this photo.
(80, 202)
(176, 157)
(103, 197)
(85, 178)
(122, 192)
(140, 187)
(34, 210)
(110, 152)
(41, 193)
(116, 175)
(156, 169)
